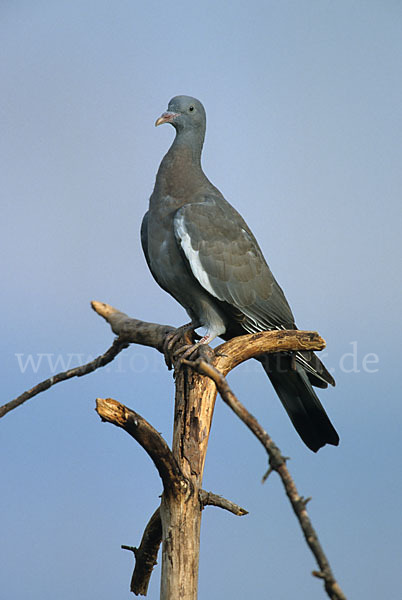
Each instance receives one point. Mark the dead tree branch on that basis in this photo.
(128, 331)
(151, 440)
(277, 463)
(229, 355)
(210, 499)
(145, 555)
(133, 330)
(100, 361)
(177, 521)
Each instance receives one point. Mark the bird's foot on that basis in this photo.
(191, 352)
(185, 332)
(187, 351)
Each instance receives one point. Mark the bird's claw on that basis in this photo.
(171, 340)
(196, 351)
(187, 351)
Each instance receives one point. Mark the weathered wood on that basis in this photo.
(237, 350)
(181, 516)
(277, 463)
(130, 329)
(178, 520)
(147, 552)
(210, 499)
(181, 511)
(194, 408)
(242, 348)
(151, 440)
(100, 361)
(145, 555)
(181, 521)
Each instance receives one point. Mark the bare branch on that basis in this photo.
(151, 440)
(242, 348)
(102, 360)
(277, 463)
(225, 358)
(133, 330)
(128, 330)
(210, 499)
(230, 354)
(146, 554)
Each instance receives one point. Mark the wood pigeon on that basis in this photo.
(201, 251)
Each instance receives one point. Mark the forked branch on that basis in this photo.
(135, 331)
(181, 468)
(277, 463)
(146, 554)
(173, 481)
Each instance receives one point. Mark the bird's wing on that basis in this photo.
(144, 237)
(225, 258)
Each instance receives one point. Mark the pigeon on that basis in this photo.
(200, 250)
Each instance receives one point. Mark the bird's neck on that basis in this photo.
(180, 173)
(189, 141)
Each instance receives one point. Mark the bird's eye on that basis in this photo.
(191, 108)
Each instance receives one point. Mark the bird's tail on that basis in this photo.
(295, 391)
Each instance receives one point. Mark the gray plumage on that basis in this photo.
(200, 250)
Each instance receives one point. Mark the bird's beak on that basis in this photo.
(167, 117)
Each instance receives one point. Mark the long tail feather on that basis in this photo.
(295, 391)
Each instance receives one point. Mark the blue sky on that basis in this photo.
(303, 101)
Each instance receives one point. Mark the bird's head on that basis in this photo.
(184, 113)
